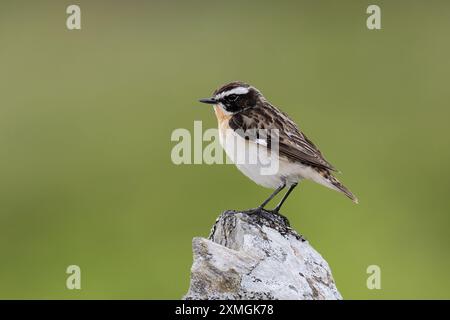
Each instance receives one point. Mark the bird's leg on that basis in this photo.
(277, 190)
(278, 207)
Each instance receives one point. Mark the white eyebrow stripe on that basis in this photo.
(238, 90)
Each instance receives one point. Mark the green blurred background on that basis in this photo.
(86, 117)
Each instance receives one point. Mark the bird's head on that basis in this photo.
(234, 97)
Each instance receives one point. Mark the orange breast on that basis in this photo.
(222, 117)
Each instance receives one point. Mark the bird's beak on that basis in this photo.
(208, 101)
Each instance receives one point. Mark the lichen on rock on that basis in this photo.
(257, 255)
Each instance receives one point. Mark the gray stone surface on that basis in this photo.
(256, 255)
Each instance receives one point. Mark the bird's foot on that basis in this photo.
(268, 214)
(279, 215)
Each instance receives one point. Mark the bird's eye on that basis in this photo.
(232, 97)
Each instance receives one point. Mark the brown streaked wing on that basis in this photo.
(293, 144)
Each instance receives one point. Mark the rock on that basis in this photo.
(256, 255)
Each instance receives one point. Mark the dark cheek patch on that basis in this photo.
(242, 102)
(231, 107)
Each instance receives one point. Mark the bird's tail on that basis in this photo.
(335, 184)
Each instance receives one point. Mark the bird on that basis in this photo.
(246, 120)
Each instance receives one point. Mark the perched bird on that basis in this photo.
(243, 113)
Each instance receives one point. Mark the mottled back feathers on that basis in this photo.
(293, 144)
